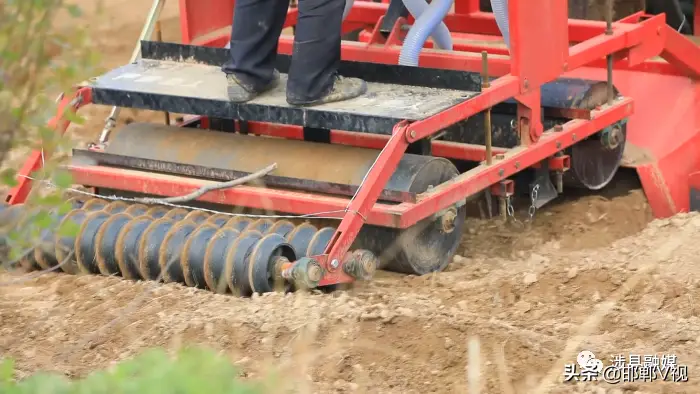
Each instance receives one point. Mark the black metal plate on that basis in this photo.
(201, 89)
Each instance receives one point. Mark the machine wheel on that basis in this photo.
(427, 246)
(595, 160)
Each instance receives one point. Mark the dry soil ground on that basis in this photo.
(591, 273)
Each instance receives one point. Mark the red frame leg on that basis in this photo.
(361, 204)
(59, 123)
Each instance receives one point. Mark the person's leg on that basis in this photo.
(313, 77)
(257, 25)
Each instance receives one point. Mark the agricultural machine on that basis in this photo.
(557, 103)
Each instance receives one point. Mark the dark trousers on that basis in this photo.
(257, 26)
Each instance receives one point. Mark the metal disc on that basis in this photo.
(169, 256)
(594, 165)
(106, 243)
(262, 262)
(216, 272)
(149, 247)
(193, 253)
(126, 251)
(237, 261)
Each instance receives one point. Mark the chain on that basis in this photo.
(530, 211)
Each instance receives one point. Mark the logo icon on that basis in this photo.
(587, 361)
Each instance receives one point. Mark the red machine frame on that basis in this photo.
(634, 40)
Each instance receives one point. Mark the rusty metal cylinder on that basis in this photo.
(324, 168)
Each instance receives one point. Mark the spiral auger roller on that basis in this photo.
(218, 252)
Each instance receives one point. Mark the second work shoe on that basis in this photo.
(240, 92)
(343, 89)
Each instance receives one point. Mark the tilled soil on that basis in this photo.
(590, 273)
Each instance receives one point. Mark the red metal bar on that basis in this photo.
(451, 150)
(501, 89)
(366, 196)
(681, 52)
(479, 178)
(19, 193)
(292, 202)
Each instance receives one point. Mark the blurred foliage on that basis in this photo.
(45, 49)
(191, 371)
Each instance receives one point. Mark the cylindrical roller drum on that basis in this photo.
(327, 168)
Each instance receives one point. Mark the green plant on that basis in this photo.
(44, 51)
(191, 371)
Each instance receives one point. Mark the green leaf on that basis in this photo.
(7, 368)
(73, 117)
(9, 177)
(68, 229)
(63, 179)
(74, 10)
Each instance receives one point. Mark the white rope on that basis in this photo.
(315, 215)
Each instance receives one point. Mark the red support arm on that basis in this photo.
(20, 192)
(360, 206)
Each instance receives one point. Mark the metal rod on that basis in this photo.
(147, 32)
(487, 115)
(609, 58)
(159, 38)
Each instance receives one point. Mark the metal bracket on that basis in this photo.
(147, 31)
(546, 191)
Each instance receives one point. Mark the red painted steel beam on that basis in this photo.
(296, 203)
(446, 149)
(501, 89)
(682, 52)
(365, 198)
(479, 178)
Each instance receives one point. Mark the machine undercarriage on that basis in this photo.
(378, 182)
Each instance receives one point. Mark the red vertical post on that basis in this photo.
(528, 31)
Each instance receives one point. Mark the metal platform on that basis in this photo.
(200, 89)
(187, 79)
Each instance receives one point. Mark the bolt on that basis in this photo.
(412, 134)
(500, 156)
(517, 165)
(573, 137)
(558, 144)
(448, 220)
(335, 263)
(501, 172)
(558, 128)
(526, 83)
(559, 182)
(315, 272)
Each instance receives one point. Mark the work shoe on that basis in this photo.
(343, 89)
(240, 92)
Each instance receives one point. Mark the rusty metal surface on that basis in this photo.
(323, 168)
